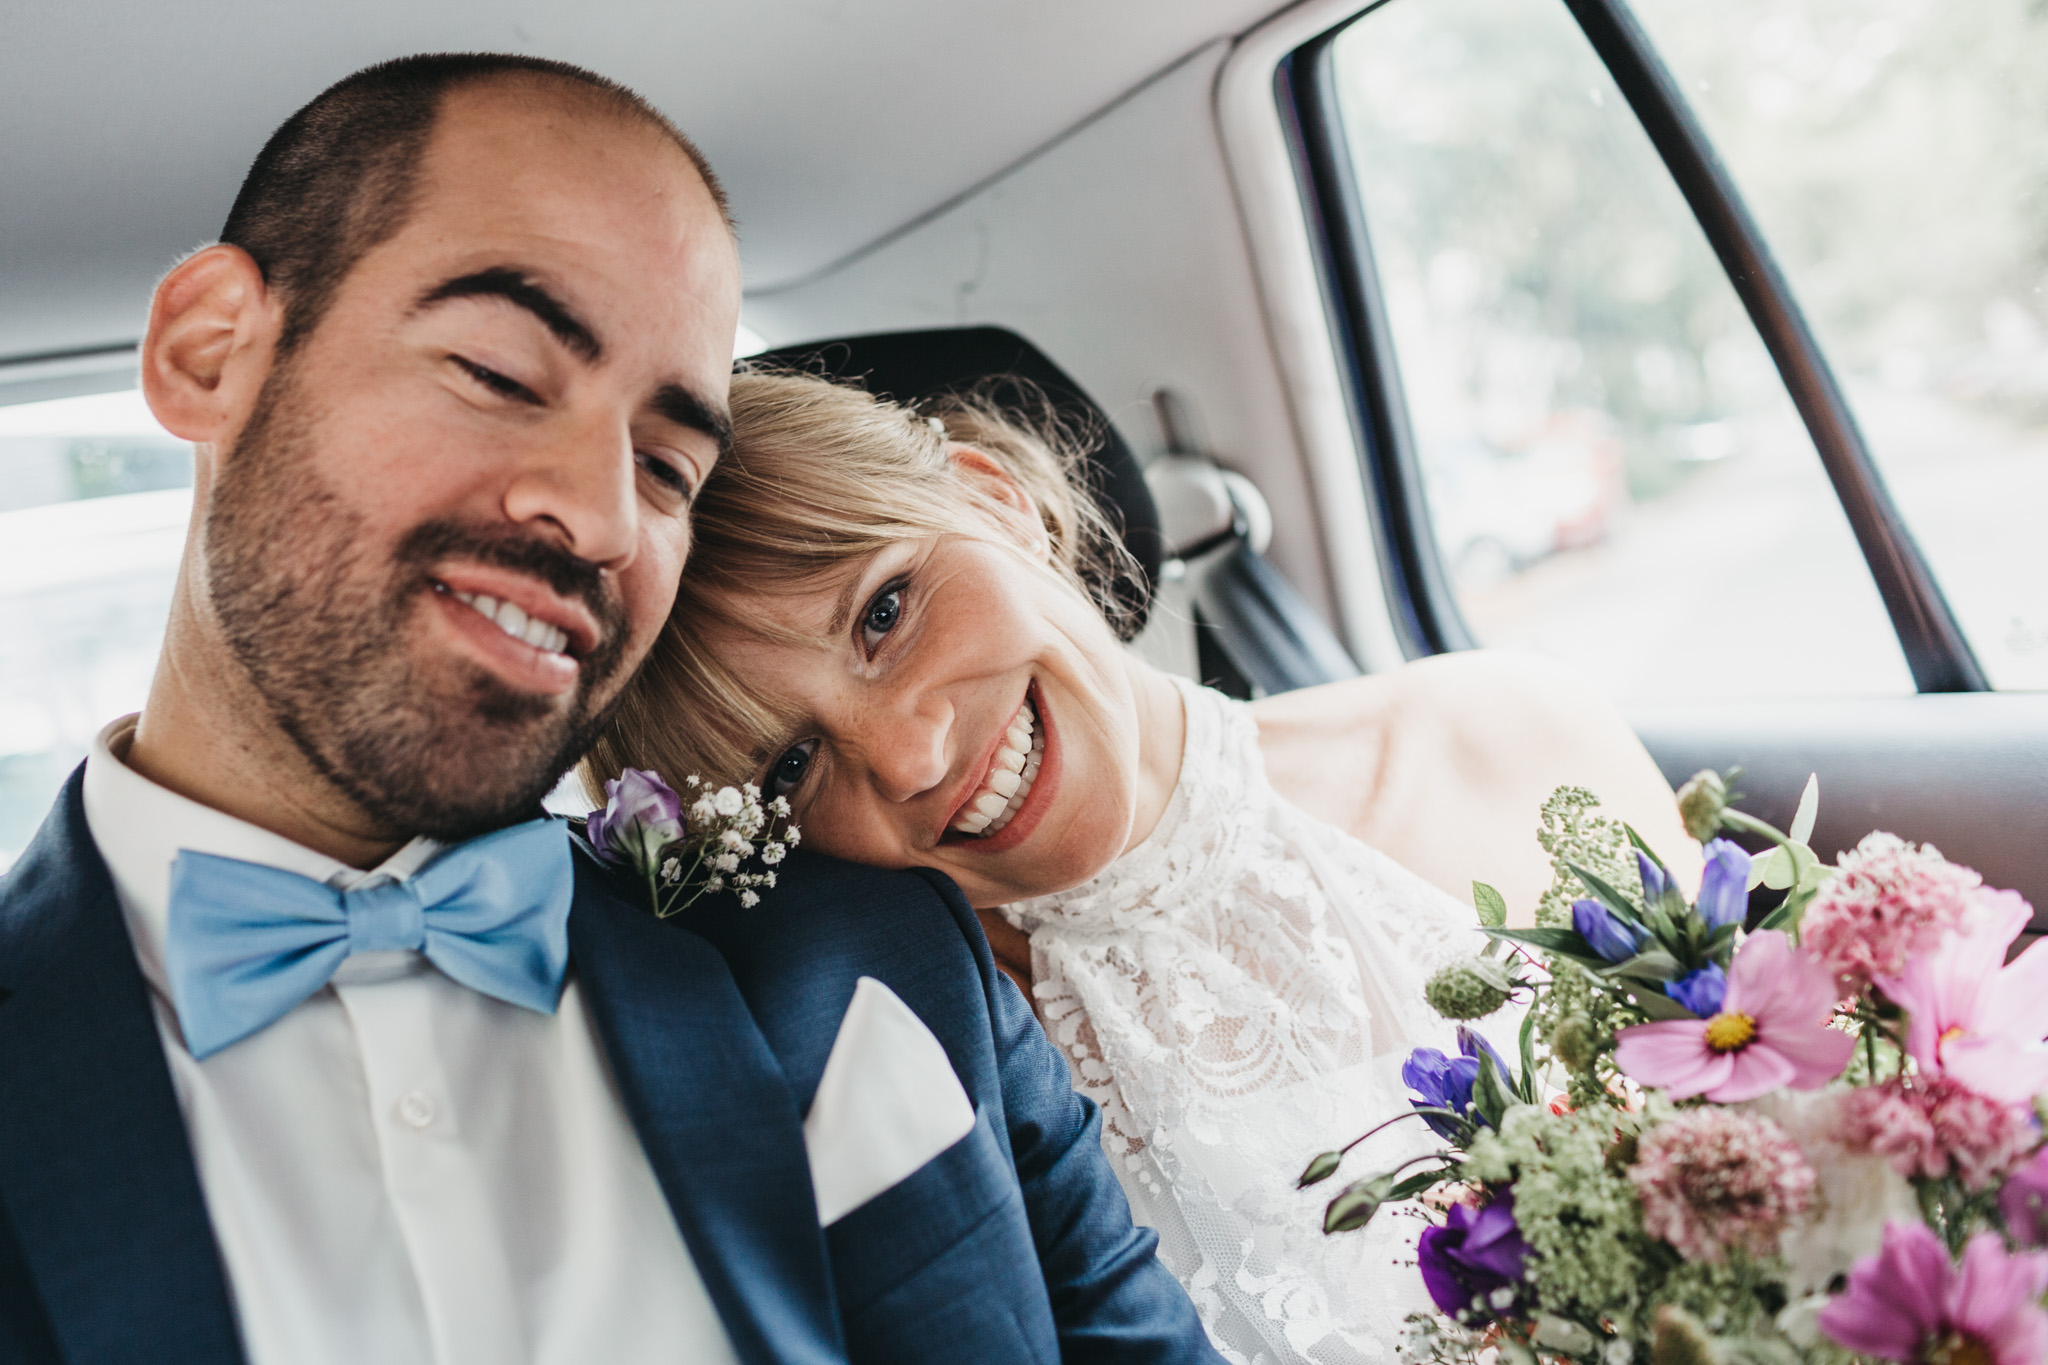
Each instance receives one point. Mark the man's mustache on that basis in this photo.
(437, 542)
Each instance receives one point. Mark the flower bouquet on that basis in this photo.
(1813, 1140)
(683, 853)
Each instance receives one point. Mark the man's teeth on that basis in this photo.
(1009, 779)
(517, 624)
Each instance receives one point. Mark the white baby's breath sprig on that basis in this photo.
(682, 855)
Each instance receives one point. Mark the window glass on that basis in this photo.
(1896, 154)
(94, 497)
(1614, 472)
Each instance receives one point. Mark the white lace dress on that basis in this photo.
(1238, 993)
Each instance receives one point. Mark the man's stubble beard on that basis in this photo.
(321, 633)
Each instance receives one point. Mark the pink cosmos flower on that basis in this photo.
(1908, 1303)
(1928, 1125)
(1712, 1180)
(1771, 1031)
(1887, 901)
(1972, 1017)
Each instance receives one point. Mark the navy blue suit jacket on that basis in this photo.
(1013, 1245)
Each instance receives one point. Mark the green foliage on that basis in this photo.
(1580, 1020)
(1571, 832)
(1492, 906)
(1589, 1256)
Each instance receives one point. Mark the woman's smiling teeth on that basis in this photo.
(1009, 780)
(517, 624)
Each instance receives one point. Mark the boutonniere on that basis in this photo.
(726, 839)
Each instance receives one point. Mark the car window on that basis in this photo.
(1896, 154)
(1611, 468)
(94, 497)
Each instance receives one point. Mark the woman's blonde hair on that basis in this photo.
(822, 474)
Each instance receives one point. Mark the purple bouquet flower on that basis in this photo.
(2023, 1203)
(1606, 932)
(1442, 1082)
(1724, 888)
(1472, 1265)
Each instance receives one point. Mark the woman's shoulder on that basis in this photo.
(1443, 763)
(1477, 689)
(1482, 709)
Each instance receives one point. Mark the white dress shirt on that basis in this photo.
(403, 1170)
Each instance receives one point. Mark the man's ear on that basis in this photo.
(213, 329)
(1016, 507)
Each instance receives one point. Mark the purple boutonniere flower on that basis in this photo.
(640, 819)
(644, 828)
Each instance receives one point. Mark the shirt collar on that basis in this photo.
(141, 827)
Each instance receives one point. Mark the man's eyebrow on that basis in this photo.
(686, 409)
(513, 286)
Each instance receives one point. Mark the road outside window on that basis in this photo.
(1614, 472)
(1896, 153)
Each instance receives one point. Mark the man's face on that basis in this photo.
(453, 524)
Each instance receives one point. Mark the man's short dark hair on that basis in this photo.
(337, 178)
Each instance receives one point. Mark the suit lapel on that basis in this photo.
(716, 1117)
(95, 1171)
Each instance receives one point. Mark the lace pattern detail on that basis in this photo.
(1237, 993)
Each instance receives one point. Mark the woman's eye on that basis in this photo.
(881, 616)
(786, 774)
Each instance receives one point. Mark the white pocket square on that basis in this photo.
(887, 1104)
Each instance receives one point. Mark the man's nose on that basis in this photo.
(582, 484)
(907, 751)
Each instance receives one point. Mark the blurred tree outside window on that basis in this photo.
(1613, 470)
(1896, 154)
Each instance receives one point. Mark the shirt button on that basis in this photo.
(416, 1109)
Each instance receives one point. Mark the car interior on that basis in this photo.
(1703, 348)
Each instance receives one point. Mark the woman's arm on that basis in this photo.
(1444, 763)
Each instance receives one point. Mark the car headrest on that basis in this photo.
(911, 366)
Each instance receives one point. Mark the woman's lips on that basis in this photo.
(1007, 779)
(1026, 817)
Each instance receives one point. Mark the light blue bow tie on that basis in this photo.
(248, 942)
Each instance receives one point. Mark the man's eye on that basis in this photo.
(787, 773)
(666, 474)
(502, 385)
(881, 616)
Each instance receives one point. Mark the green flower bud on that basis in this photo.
(1681, 1339)
(1471, 989)
(1623, 1152)
(1322, 1168)
(1700, 803)
(1354, 1207)
(1574, 1041)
